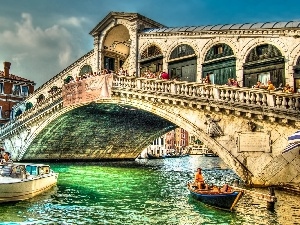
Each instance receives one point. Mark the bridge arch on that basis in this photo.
(116, 47)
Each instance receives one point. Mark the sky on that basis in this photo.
(42, 37)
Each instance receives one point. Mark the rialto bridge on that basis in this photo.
(248, 128)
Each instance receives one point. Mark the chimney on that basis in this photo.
(6, 68)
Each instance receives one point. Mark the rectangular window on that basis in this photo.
(1, 112)
(1, 88)
(16, 89)
(24, 91)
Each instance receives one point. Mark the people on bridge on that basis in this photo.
(207, 79)
(258, 85)
(288, 89)
(270, 86)
(199, 180)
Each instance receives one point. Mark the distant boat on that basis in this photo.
(216, 197)
(210, 154)
(150, 156)
(25, 181)
(176, 155)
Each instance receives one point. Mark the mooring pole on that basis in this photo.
(271, 204)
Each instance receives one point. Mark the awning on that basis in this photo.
(294, 137)
(291, 146)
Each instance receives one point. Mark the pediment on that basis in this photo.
(113, 16)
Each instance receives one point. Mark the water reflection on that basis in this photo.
(143, 192)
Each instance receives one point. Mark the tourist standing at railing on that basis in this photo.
(207, 79)
(288, 89)
(235, 83)
(258, 85)
(270, 86)
(229, 82)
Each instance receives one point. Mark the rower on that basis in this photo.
(199, 180)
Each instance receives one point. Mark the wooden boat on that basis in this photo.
(223, 198)
(150, 156)
(25, 181)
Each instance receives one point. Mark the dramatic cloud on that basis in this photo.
(36, 53)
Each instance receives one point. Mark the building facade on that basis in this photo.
(13, 89)
(245, 52)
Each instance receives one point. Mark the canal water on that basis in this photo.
(143, 192)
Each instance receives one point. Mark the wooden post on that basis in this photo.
(271, 204)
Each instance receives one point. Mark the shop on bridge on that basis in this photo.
(151, 60)
(183, 63)
(219, 64)
(264, 62)
(297, 76)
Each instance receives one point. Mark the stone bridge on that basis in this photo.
(248, 128)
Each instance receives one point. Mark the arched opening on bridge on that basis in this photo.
(220, 64)
(183, 63)
(297, 76)
(116, 48)
(86, 69)
(264, 62)
(151, 59)
(40, 98)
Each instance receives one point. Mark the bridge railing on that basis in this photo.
(273, 100)
(31, 113)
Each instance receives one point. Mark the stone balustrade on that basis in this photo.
(288, 104)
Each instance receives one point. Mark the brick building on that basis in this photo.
(13, 89)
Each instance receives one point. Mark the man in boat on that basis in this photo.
(8, 163)
(199, 180)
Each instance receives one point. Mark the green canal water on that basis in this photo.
(143, 192)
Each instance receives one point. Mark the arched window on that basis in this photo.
(28, 105)
(68, 79)
(86, 69)
(218, 51)
(261, 52)
(151, 51)
(219, 64)
(53, 90)
(40, 98)
(264, 62)
(183, 63)
(151, 60)
(182, 51)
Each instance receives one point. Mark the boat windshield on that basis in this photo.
(32, 170)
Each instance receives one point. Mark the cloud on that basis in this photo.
(73, 21)
(39, 53)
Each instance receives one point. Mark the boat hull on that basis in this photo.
(225, 201)
(22, 189)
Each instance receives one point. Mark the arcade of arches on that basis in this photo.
(263, 63)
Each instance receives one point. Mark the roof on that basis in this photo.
(122, 15)
(239, 26)
(14, 77)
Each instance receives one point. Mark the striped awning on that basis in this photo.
(294, 137)
(291, 146)
(293, 142)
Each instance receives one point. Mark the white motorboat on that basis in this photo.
(25, 180)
